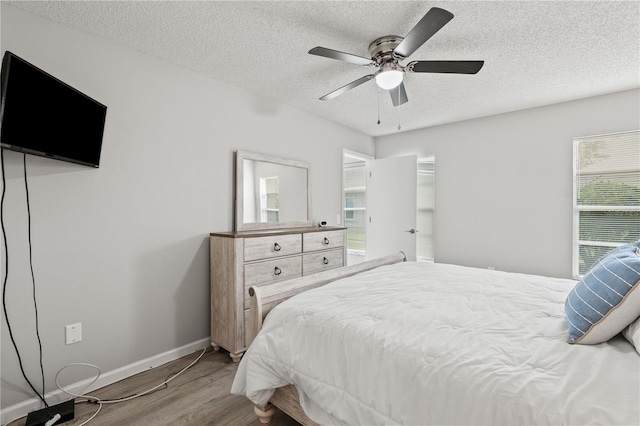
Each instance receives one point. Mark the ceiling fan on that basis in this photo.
(388, 51)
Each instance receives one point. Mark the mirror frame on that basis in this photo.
(239, 189)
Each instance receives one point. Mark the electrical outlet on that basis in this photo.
(73, 333)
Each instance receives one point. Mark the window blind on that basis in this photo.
(606, 195)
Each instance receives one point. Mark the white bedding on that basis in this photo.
(440, 344)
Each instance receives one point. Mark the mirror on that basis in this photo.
(271, 192)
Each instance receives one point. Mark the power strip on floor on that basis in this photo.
(66, 410)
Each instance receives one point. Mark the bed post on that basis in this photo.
(265, 413)
(251, 331)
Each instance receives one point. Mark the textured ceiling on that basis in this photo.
(535, 52)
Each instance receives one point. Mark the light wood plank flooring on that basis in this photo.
(199, 396)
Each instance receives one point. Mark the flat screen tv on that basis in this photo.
(44, 116)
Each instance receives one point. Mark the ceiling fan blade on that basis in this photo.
(452, 67)
(344, 88)
(398, 95)
(341, 56)
(430, 24)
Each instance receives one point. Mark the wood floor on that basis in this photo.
(199, 396)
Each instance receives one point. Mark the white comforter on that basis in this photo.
(432, 344)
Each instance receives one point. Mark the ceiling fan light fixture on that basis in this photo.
(389, 79)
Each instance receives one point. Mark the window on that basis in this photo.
(349, 208)
(606, 196)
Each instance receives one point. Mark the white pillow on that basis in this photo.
(632, 334)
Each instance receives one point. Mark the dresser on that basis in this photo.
(243, 259)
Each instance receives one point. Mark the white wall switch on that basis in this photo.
(338, 219)
(73, 333)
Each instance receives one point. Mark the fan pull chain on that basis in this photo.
(378, 105)
(399, 128)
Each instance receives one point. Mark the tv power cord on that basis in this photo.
(101, 402)
(94, 400)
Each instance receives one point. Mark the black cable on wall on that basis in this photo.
(33, 277)
(6, 277)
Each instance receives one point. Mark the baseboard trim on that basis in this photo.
(21, 409)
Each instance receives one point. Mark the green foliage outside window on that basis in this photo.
(607, 193)
(611, 226)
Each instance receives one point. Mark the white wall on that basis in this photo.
(123, 249)
(503, 184)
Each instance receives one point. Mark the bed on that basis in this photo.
(417, 343)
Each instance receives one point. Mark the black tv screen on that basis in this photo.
(44, 116)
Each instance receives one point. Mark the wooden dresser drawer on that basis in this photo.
(256, 248)
(322, 261)
(256, 257)
(270, 271)
(314, 241)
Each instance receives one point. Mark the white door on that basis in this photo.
(392, 206)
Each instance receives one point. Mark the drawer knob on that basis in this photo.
(276, 247)
(277, 270)
(326, 241)
(325, 261)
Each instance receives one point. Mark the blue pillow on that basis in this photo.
(607, 298)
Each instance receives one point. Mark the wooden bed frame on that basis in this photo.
(265, 298)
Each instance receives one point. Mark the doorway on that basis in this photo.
(355, 204)
(391, 211)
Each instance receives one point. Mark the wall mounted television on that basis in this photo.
(44, 116)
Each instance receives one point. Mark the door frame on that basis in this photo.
(366, 158)
(429, 159)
